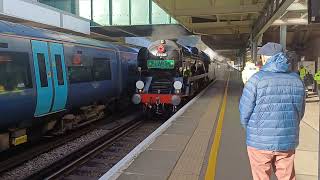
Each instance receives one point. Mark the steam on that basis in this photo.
(197, 42)
(212, 54)
(163, 32)
(160, 32)
(138, 41)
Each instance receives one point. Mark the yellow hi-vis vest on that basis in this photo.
(302, 72)
(317, 77)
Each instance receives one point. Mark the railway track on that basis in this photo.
(26, 152)
(100, 159)
(88, 160)
(25, 159)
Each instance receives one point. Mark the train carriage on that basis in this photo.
(54, 81)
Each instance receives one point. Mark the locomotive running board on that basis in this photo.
(194, 78)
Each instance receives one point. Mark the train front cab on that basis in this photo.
(153, 100)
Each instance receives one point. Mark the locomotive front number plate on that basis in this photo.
(160, 64)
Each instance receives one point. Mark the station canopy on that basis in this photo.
(227, 24)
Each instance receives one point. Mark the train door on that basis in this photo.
(59, 76)
(50, 77)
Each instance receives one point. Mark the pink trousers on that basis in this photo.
(262, 161)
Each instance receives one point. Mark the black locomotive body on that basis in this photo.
(169, 75)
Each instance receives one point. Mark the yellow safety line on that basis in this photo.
(211, 169)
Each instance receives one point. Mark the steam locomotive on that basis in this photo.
(169, 74)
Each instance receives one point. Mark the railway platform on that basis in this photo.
(204, 140)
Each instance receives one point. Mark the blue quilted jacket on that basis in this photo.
(272, 105)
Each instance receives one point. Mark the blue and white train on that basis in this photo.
(51, 80)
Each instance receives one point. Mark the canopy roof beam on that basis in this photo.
(244, 9)
(221, 24)
(272, 11)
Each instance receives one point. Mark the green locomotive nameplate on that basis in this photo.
(160, 64)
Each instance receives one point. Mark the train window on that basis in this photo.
(3, 45)
(132, 69)
(59, 69)
(42, 69)
(80, 74)
(14, 71)
(101, 69)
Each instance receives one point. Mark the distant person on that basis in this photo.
(302, 72)
(271, 107)
(317, 79)
(303, 75)
(308, 81)
(249, 70)
(187, 72)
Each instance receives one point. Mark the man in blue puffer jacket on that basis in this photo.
(271, 107)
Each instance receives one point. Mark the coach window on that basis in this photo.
(42, 69)
(101, 69)
(59, 69)
(14, 71)
(80, 74)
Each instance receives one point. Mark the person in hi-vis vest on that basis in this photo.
(317, 79)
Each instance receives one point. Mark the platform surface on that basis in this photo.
(180, 151)
(184, 150)
(307, 153)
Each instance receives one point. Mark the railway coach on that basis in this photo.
(52, 81)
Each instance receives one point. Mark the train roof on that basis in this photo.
(28, 31)
(128, 48)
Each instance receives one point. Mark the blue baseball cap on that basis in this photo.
(270, 49)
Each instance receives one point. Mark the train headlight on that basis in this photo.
(139, 85)
(136, 99)
(177, 85)
(176, 100)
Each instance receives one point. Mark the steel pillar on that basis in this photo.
(283, 36)
(254, 50)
